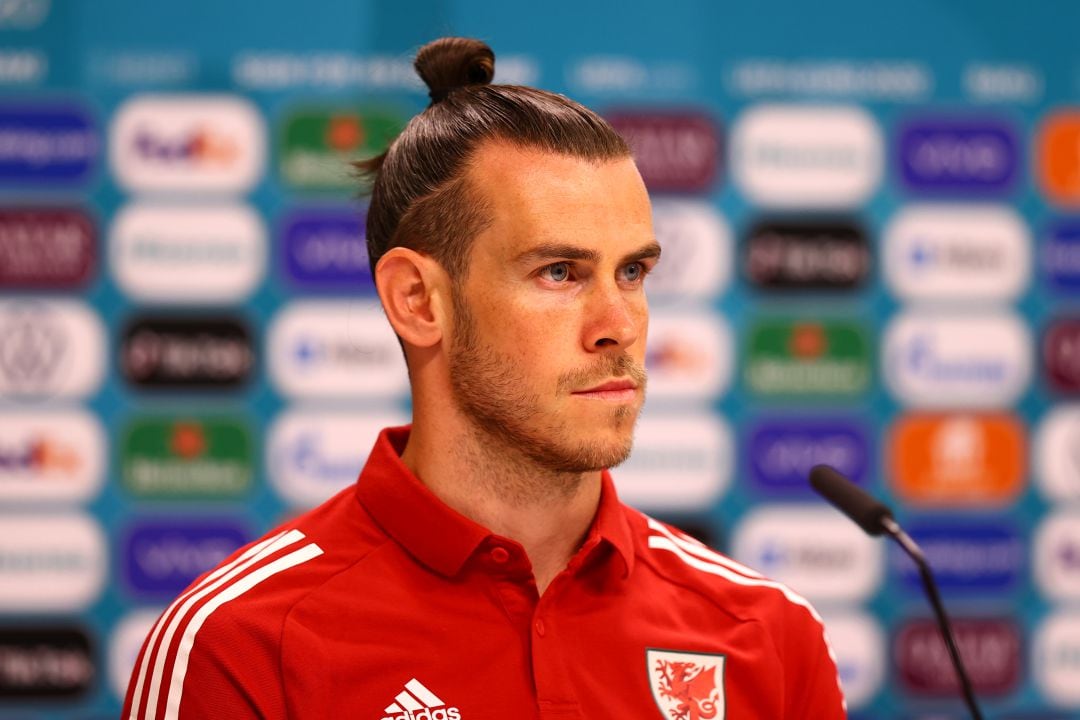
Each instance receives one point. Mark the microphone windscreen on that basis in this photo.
(849, 498)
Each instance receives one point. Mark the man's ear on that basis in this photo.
(414, 290)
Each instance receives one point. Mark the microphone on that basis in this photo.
(876, 519)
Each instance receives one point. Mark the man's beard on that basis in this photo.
(494, 395)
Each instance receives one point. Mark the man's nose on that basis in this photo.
(613, 317)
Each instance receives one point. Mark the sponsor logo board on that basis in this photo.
(957, 360)
(968, 556)
(957, 459)
(311, 455)
(318, 145)
(958, 156)
(188, 144)
(1056, 555)
(810, 255)
(188, 352)
(23, 14)
(813, 550)
(187, 458)
(1061, 256)
(54, 145)
(326, 249)
(50, 248)
(957, 253)
(124, 644)
(781, 451)
(213, 253)
(806, 156)
(1057, 157)
(45, 662)
(690, 355)
(678, 463)
(50, 349)
(697, 250)
(1057, 454)
(51, 562)
(674, 151)
(787, 357)
(859, 644)
(990, 648)
(50, 456)
(1061, 355)
(161, 557)
(335, 349)
(1056, 658)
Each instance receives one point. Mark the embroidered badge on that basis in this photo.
(686, 685)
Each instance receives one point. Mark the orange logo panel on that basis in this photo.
(957, 459)
(1059, 157)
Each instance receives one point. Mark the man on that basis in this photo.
(483, 567)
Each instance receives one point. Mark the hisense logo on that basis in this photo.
(416, 702)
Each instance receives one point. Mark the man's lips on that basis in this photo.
(611, 390)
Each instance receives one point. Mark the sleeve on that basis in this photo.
(813, 682)
(227, 666)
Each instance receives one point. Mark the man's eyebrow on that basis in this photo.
(566, 251)
(652, 250)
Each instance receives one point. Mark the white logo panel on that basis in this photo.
(50, 563)
(1056, 659)
(689, 355)
(190, 254)
(124, 645)
(957, 253)
(813, 550)
(678, 463)
(1057, 454)
(697, 244)
(335, 349)
(806, 156)
(50, 456)
(1056, 555)
(958, 360)
(859, 644)
(50, 349)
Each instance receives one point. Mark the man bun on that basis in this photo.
(450, 63)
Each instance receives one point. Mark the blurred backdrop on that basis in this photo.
(871, 222)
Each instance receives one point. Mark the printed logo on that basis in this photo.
(689, 355)
(687, 685)
(970, 360)
(49, 349)
(50, 563)
(808, 255)
(1057, 454)
(697, 250)
(967, 556)
(958, 156)
(187, 352)
(124, 645)
(46, 248)
(1061, 355)
(335, 349)
(1056, 658)
(1057, 157)
(191, 254)
(809, 157)
(859, 644)
(55, 145)
(675, 152)
(990, 648)
(1061, 256)
(312, 455)
(782, 451)
(45, 662)
(1057, 556)
(327, 250)
(416, 702)
(318, 146)
(959, 460)
(808, 357)
(678, 463)
(957, 253)
(187, 143)
(162, 557)
(813, 550)
(187, 458)
(50, 456)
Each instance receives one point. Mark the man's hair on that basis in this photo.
(420, 198)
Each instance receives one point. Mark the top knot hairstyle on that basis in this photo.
(419, 196)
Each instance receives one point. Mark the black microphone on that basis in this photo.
(876, 519)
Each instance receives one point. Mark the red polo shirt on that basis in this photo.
(383, 603)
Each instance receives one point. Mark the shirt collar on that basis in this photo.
(444, 539)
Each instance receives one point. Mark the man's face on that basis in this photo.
(548, 351)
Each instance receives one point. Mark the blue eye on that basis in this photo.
(558, 272)
(634, 271)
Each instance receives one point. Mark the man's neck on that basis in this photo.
(547, 512)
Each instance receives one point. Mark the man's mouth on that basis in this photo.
(619, 390)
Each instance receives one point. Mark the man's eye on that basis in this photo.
(558, 272)
(634, 271)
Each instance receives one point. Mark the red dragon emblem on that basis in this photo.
(685, 685)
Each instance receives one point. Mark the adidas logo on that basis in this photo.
(416, 702)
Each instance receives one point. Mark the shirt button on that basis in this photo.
(540, 629)
(500, 555)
